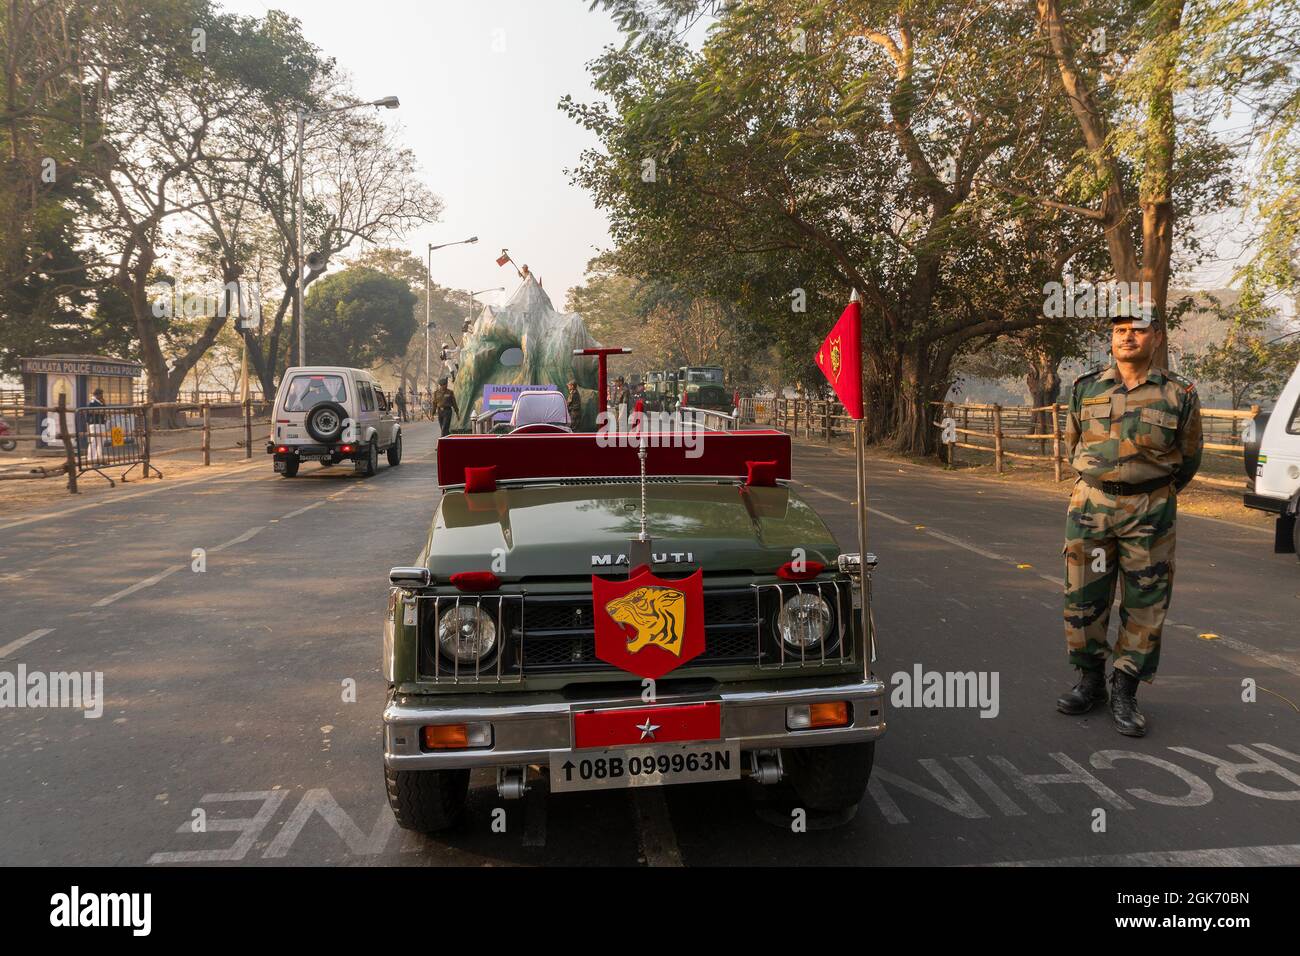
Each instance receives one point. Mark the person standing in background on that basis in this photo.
(444, 403)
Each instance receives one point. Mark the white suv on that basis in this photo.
(331, 414)
(1273, 465)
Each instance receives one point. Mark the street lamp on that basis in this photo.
(428, 300)
(388, 103)
(469, 322)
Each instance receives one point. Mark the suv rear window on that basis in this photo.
(307, 391)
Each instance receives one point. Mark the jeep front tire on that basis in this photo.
(427, 800)
(830, 779)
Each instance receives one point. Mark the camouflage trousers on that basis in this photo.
(1108, 536)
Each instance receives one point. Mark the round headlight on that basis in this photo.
(804, 621)
(466, 633)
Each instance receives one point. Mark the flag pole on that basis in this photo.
(859, 445)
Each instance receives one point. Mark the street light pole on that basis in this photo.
(387, 102)
(428, 313)
(297, 245)
(428, 301)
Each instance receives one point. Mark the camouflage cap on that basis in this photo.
(1140, 315)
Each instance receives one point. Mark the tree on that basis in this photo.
(359, 317)
(48, 286)
(1148, 158)
(1250, 364)
(448, 310)
(805, 153)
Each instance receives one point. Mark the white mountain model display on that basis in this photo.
(528, 322)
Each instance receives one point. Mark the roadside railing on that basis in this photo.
(710, 419)
(991, 428)
(99, 437)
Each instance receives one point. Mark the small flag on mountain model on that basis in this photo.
(840, 358)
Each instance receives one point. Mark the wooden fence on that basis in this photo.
(1022, 432)
(990, 428)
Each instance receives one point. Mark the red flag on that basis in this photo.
(647, 625)
(503, 259)
(840, 359)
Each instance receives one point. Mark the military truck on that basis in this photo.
(701, 386)
(584, 616)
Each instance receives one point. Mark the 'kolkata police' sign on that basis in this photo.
(75, 367)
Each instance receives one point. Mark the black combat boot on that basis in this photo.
(1085, 695)
(1129, 721)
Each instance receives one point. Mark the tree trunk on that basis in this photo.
(923, 379)
(1044, 382)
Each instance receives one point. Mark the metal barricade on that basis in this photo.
(111, 436)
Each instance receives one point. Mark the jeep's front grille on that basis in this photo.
(555, 634)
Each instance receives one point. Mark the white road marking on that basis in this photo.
(147, 582)
(294, 514)
(1287, 854)
(22, 642)
(958, 542)
(118, 498)
(654, 828)
(240, 540)
(1250, 650)
(1000, 483)
(1261, 655)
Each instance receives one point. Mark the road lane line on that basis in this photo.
(294, 514)
(22, 642)
(1287, 854)
(991, 555)
(237, 469)
(924, 472)
(1261, 655)
(654, 827)
(1267, 658)
(240, 540)
(147, 582)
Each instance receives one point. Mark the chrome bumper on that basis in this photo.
(534, 728)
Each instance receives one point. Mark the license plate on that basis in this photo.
(656, 766)
(279, 466)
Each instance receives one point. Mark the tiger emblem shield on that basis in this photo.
(647, 625)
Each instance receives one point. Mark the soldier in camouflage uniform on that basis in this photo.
(1134, 437)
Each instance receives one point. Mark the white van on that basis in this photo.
(330, 414)
(1273, 465)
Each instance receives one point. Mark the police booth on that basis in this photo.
(75, 378)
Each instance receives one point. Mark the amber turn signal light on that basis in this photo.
(446, 737)
(456, 736)
(829, 713)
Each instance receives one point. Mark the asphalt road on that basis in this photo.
(242, 700)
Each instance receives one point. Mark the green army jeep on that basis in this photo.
(733, 645)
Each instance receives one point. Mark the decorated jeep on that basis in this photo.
(605, 611)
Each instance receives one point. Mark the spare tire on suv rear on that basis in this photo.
(325, 421)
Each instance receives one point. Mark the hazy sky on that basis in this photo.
(479, 82)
